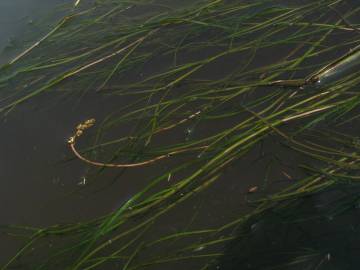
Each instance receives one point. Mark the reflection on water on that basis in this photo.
(23, 21)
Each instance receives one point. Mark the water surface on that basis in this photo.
(43, 184)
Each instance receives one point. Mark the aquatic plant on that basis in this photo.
(204, 68)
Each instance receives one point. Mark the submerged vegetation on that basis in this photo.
(230, 74)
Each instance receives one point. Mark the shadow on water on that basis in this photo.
(316, 232)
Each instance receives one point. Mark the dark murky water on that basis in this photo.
(23, 21)
(41, 184)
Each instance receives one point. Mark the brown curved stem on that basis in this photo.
(89, 123)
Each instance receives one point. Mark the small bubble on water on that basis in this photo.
(254, 227)
(83, 181)
(318, 83)
(357, 205)
(56, 180)
(189, 131)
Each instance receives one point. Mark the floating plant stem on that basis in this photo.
(55, 29)
(89, 123)
(337, 68)
(327, 74)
